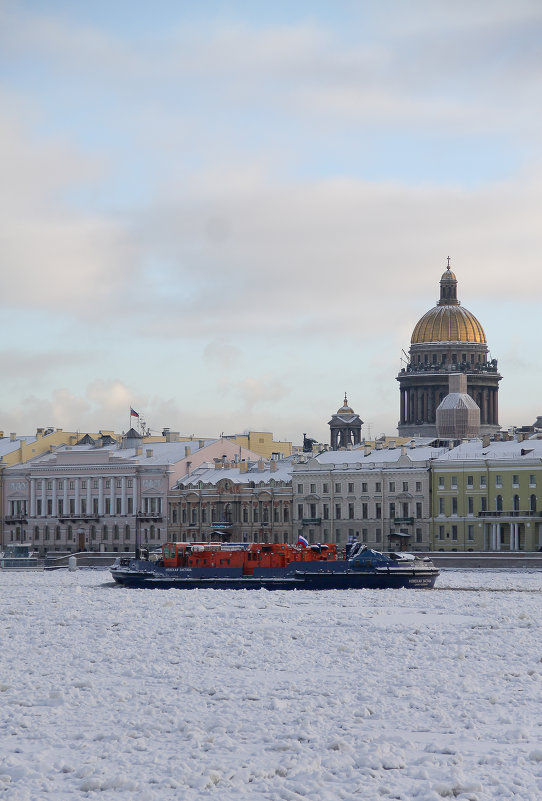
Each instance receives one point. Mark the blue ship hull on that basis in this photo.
(297, 576)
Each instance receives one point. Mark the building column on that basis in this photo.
(100, 496)
(43, 497)
(77, 504)
(65, 497)
(493, 537)
(123, 496)
(498, 536)
(134, 490)
(89, 495)
(32, 497)
(112, 494)
(53, 497)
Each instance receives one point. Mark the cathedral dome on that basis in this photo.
(448, 321)
(448, 324)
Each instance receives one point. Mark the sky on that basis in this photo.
(228, 214)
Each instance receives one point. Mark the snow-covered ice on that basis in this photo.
(115, 693)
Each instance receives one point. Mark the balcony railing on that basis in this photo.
(511, 513)
(22, 518)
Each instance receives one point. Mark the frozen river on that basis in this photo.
(115, 693)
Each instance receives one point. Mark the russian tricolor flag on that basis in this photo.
(302, 541)
(132, 413)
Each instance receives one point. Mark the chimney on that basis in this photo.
(378, 446)
(367, 450)
(391, 444)
(243, 466)
(201, 443)
(138, 450)
(1, 434)
(186, 451)
(13, 436)
(149, 453)
(485, 441)
(218, 464)
(412, 443)
(39, 433)
(261, 466)
(273, 466)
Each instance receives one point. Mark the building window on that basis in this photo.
(532, 481)
(441, 532)
(57, 533)
(350, 511)
(313, 489)
(337, 511)
(392, 510)
(441, 482)
(405, 486)
(245, 514)
(378, 511)
(126, 532)
(299, 511)
(378, 535)
(108, 483)
(130, 483)
(350, 488)
(418, 535)
(286, 514)
(392, 487)
(515, 481)
(337, 487)
(108, 506)
(364, 535)
(454, 532)
(60, 485)
(118, 504)
(470, 532)
(454, 506)
(49, 485)
(313, 510)
(95, 484)
(115, 532)
(325, 489)
(498, 503)
(470, 482)
(38, 507)
(418, 486)
(300, 489)
(72, 506)
(454, 482)
(365, 510)
(470, 505)
(326, 511)
(483, 504)
(532, 503)
(515, 502)
(483, 482)
(378, 486)
(419, 513)
(441, 506)
(498, 481)
(60, 506)
(364, 486)
(95, 506)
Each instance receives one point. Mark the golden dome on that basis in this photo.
(448, 324)
(448, 321)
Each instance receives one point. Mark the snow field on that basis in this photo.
(115, 693)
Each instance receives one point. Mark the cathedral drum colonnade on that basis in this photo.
(446, 340)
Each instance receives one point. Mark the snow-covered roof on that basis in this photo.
(475, 449)
(211, 475)
(378, 456)
(8, 445)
